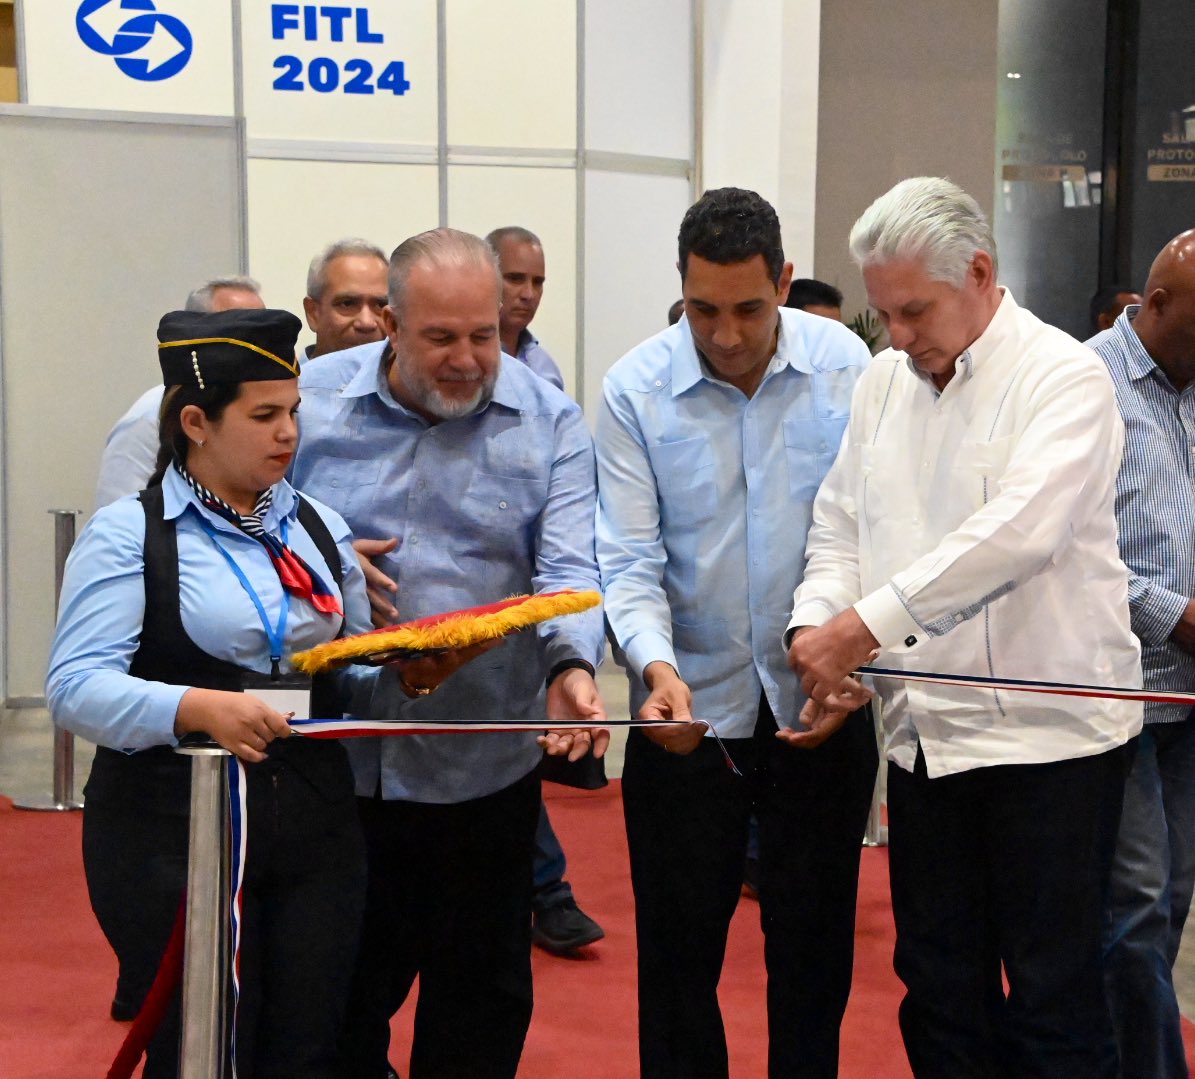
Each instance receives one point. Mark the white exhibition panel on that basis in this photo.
(631, 280)
(120, 240)
(483, 198)
(639, 77)
(512, 73)
(742, 79)
(296, 208)
(115, 54)
(360, 73)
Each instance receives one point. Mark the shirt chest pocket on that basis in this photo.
(350, 487)
(687, 482)
(504, 503)
(979, 468)
(809, 447)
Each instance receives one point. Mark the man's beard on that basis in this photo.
(428, 397)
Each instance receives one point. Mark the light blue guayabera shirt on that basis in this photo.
(535, 356)
(706, 498)
(492, 504)
(89, 688)
(1155, 507)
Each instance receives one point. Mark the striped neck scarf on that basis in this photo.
(297, 577)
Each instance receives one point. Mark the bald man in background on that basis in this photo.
(132, 445)
(1150, 352)
(521, 260)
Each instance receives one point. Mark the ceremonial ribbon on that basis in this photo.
(352, 727)
(1025, 685)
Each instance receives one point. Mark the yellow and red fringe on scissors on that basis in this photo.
(453, 629)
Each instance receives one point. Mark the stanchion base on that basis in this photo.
(880, 839)
(49, 806)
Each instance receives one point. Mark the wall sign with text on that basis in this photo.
(363, 72)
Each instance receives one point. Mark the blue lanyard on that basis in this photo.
(277, 635)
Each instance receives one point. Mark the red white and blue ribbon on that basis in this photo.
(1025, 685)
(238, 816)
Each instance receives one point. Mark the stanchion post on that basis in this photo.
(203, 1040)
(63, 797)
(876, 834)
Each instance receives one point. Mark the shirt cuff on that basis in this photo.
(1156, 613)
(812, 613)
(884, 613)
(647, 647)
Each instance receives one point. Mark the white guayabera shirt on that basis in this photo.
(974, 532)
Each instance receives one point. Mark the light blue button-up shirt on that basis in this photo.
(1155, 507)
(535, 356)
(705, 502)
(492, 504)
(89, 689)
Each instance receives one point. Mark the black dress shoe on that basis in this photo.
(563, 928)
(123, 1010)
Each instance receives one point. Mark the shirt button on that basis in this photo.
(502, 505)
(415, 540)
(336, 483)
(659, 383)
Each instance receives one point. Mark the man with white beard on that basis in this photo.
(474, 477)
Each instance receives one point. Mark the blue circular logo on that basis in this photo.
(144, 43)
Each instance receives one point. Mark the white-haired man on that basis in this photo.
(484, 475)
(968, 527)
(346, 292)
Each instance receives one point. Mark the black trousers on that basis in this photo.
(1007, 867)
(303, 896)
(686, 821)
(449, 900)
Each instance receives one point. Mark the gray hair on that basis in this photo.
(443, 248)
(317, 272)
(202, 298)
(516, 233)
(929, 219)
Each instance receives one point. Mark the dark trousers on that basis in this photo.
(686, 821)
(1004, 866)
(304, 893)
(136, 868)
(304, 890)
(449, 900)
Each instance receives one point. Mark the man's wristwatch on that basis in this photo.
(568, 665)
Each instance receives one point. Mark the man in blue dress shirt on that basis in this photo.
(1150, 352)
(485, 475)
(521, 260)
(712, 439)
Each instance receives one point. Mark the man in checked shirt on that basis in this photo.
(1150, 353)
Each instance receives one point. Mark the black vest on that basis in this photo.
(159, 779)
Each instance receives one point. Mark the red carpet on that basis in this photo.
(57, 974)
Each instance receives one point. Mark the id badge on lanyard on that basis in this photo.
(288, 699)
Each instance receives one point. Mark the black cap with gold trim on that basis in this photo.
(241, 345)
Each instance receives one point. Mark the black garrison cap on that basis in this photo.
(227, 346)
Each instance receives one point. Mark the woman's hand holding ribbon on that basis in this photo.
(239, 722)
